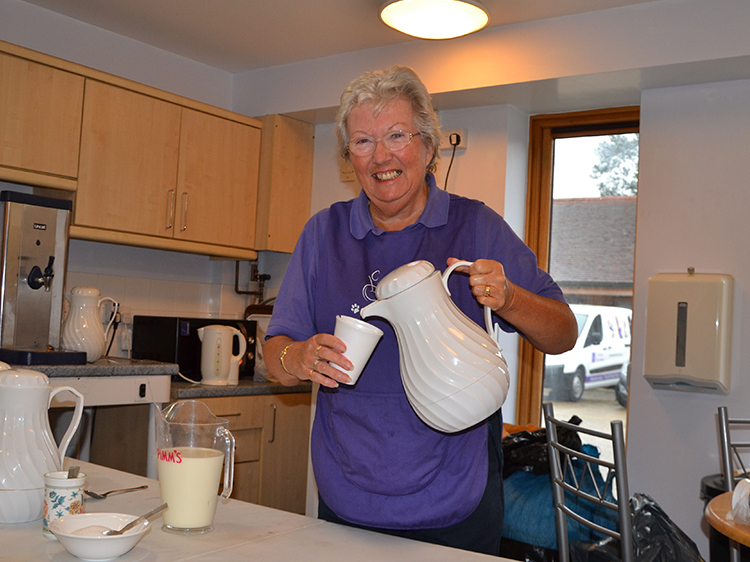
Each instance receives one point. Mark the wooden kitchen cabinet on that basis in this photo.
(217, 182)
(144, 167)
(151, 167)
(40, 123)
(128, 171)
(272, 434)
(285, 190)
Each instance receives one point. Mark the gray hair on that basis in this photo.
(382, 87)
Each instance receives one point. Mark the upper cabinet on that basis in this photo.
(129, 155)
(285, 182)
(217, 182)
(40, 122)
(149, 168)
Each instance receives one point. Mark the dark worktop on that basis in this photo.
(107, 367)
(246, 387)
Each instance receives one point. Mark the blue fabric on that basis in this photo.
(376, 463)
(530, 511)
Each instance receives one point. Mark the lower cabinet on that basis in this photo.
(272, 434)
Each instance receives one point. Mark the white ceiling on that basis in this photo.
(241, 35)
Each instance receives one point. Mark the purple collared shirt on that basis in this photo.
(376, 463)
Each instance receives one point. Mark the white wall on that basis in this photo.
(693, 201)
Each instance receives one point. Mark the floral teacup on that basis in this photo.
(62, 496)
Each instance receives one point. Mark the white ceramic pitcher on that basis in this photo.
(453, 372)
(83, 330)
(26, 441)
(219, 367)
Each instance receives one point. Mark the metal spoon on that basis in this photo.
(102, 495)
(135, 522)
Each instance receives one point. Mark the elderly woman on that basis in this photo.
(377, 465)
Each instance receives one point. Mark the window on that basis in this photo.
(545, 130)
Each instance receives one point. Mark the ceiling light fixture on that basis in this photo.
(435, 19)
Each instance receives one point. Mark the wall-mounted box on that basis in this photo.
(689, 332)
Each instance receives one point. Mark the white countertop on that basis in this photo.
(242, 531)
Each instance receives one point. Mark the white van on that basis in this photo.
(601, 350)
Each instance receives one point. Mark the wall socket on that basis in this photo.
(126, 314)
(449, 135)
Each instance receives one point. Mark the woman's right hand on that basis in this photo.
(307, 360)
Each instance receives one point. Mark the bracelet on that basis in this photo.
(281, 359)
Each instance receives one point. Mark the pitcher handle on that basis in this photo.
(487, 310)
(228, 461)
(111, 320)
(77, 413)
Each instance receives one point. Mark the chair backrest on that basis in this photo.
(566, 478)
(732, 465)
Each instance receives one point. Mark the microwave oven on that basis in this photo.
(175, 340)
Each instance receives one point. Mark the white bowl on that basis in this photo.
(97, 548)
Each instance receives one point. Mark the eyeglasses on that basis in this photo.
(394, 141)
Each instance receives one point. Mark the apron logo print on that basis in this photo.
(368, 291)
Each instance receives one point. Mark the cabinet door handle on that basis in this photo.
(273, 425)
(184, 210)
(170, 208)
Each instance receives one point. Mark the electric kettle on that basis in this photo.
(26, 441)
(219, 367)
(453, 372)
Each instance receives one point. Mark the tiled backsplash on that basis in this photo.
(158, 283)
(160, 297)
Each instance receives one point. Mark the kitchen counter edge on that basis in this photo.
(186, 390)
(107, 367)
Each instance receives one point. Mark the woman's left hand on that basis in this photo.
(488, 283)
(547, 323)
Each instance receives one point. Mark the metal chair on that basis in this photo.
(732, 465)
(566, 479)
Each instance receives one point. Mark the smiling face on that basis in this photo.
(394, 182)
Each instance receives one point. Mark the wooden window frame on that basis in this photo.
(543, 131)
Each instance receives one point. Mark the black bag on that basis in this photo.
(527, 450)
(656, 538)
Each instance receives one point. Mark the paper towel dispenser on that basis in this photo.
(689, 332)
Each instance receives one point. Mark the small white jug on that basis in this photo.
(83, 330)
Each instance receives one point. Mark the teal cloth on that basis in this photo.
(530, 512)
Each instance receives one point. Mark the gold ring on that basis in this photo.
(315, 365)
(487, 291)
(317, 349)
(311, 373)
